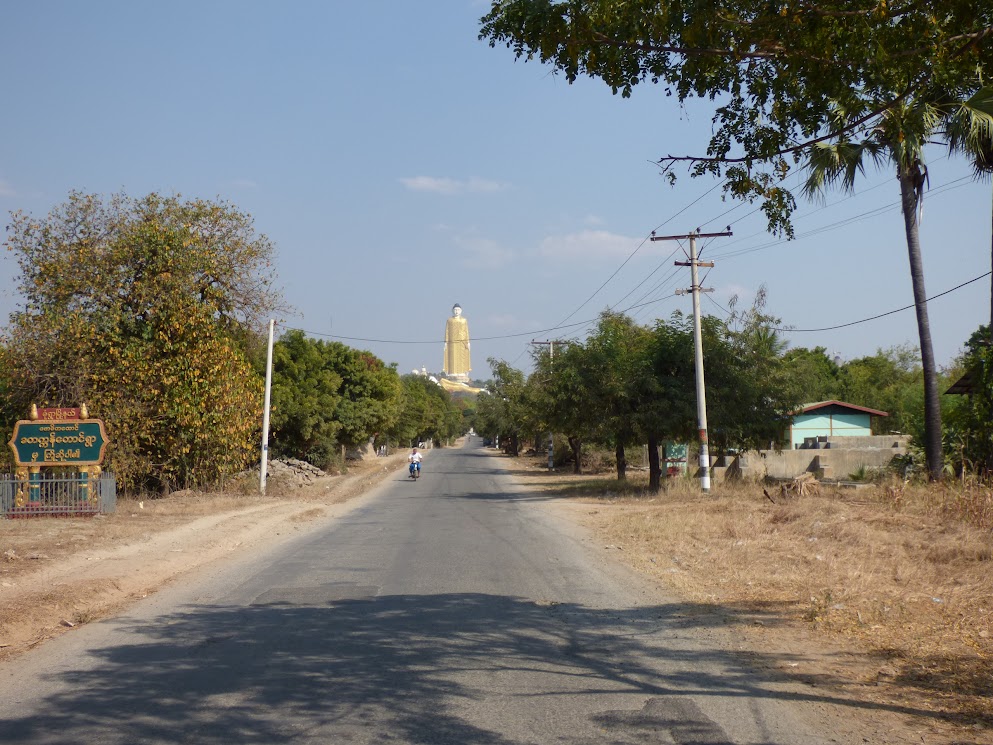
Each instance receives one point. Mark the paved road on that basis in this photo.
(455, 609)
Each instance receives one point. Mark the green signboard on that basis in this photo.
(78, 442)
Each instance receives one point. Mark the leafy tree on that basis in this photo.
(502, 411)
(750, 392)
(969, 439)
(889, 380)
(828, 83)
(813, 373)
(667, 391)
(370, 395)
(563, 391)
(306, 394)
(642, 386)
(327, 395)
(617, 356)
(625, 384)
(145, 309)
(415, 407)
(9, 413)
(467, 411)
(427, 413)
(488, 415)
(749, 389)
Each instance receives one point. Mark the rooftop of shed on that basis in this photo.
(808, 408)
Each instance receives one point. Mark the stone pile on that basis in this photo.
(292, 469)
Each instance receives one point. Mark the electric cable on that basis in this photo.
(790, 330)
(637, 249)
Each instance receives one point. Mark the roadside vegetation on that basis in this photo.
(825, 88)
(151, 311)
(628, 386)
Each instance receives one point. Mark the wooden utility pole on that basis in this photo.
(701, 388)
(551, 440)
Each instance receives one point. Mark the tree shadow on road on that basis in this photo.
(338, 664)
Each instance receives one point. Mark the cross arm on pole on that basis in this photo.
(725, 234)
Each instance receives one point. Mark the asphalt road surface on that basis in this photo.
(456, 609)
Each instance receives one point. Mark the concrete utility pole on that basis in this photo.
(701, 388)
(551, 440)
(265, 412)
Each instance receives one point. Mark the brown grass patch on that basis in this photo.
(307, 516)
(901, 573)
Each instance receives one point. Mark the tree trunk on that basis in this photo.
(988, 358)
(515, 445)
(577, 454)
(654, 465)
(932, 404)
(622, 464)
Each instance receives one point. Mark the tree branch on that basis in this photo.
(814, 10)
(972, 38)
(774, 51)
(796, 148)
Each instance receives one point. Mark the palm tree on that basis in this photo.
(898, 137)
(970, 134)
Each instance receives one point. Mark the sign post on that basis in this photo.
(66, 442)
(57, 437)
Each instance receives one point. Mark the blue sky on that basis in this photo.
(400, 166)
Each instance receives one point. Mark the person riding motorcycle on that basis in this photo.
(415, 463)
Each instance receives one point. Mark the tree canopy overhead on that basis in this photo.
(833, 85)
(778, 72)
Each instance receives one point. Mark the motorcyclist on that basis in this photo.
(415, 462)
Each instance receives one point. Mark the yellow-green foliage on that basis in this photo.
(145, 311)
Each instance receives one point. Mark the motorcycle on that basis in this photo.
(415, 471)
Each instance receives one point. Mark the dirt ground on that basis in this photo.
(866, 600)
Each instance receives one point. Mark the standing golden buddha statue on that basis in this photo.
(457, 363)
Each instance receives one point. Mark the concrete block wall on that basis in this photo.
(833, 463)
(890, 442)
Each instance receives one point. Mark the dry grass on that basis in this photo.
(903, 573)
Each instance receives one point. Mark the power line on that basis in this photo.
(480, 338)
(636, 250)
(786, 330)
(662, 263)
(789, 330)
(642, 303)
(797, 174)
(888, 313)
(712, 220)
(844, 222)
